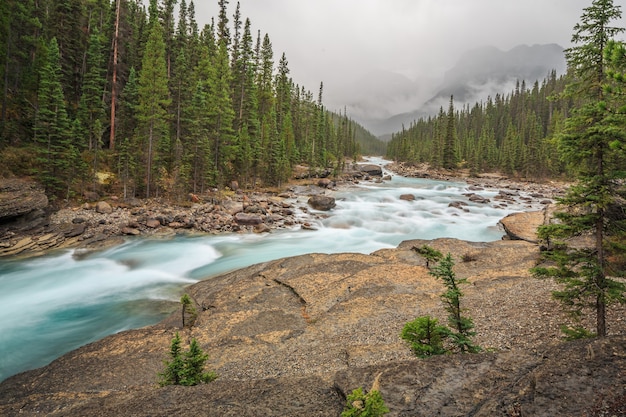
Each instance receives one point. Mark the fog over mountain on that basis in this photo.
(380, 58)
(479, 74)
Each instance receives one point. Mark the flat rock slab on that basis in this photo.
(294, 336)
(523, 226)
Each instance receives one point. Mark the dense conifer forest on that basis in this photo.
(511, 133)
(105, 91)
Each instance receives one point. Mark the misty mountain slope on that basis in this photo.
(486, 71)
(478, 74)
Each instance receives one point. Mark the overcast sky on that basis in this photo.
(344, 42)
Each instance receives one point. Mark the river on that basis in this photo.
(57, 302)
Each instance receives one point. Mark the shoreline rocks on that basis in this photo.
(108, 220)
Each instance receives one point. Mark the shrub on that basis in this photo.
(360, 404)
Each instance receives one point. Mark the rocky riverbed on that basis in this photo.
(28, 225)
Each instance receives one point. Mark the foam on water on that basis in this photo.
(55, 303)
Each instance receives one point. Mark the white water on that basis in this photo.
(55, 303)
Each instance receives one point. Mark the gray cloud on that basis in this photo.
(382, 57)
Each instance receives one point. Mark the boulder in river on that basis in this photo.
(371, 169)
(523, 226)
(322, 202)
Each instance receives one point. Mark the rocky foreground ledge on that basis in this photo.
(293, 336)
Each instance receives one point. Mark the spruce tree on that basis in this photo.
(152, 112)
(460, 325)
(52, 126)
(449, 145)
(588, 144)
(127, 149)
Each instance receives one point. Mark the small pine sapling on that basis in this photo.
(173, 368)
(425, 336)
(360, 404)
(461, 327)
(186, 368)
(188, 310)
(193, 371)
(429, 253)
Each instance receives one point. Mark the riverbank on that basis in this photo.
(296, 335)
(101, 222)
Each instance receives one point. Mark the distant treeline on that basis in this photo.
(512, 133)
(106, 86)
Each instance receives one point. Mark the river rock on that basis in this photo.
(262, 228)
(461, 205)
(248, 219)
(131, 231)
(153, 223)
(475, 198)
(407, 197)
(325, 183)
(322, 202)
(523, 226)
(371, 169)
(103, 207)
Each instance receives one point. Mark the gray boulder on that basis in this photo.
(248, 219)
(371, 169)
(322, 202)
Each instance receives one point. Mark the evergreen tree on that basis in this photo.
(66, 22)
(588, 143)
(91, 109)
(185, 368)
(154, 101)
(223, 113)
(20, 33)
(461, 326)
(128, 149)
(449, 145)
(52, 127)
(175, 367)
(193, 371)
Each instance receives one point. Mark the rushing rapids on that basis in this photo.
(54, 303)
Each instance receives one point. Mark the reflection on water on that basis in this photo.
(54, 303)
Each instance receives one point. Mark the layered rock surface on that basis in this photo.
(295, 335)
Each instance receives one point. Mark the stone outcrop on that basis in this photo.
(21, 203)
(523, 226)
(296, 335)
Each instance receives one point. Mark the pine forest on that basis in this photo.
(511, 133)
(106, 93)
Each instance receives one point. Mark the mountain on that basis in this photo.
(478, 74)
(488, 71)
